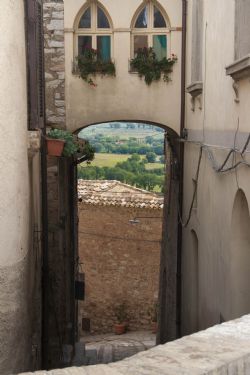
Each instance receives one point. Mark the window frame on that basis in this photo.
(94, 31)
(150, 30)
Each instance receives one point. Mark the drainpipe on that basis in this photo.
(181, 165)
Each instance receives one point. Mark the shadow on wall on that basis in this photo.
(240, 257)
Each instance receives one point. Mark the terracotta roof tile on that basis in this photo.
(115, 193)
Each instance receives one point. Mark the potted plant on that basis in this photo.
(55, 142)
(148, 66)
(121, 315)
(90, 63)
(153, 314)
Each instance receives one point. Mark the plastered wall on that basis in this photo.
(19, 206)
(124, 97)
(223, 123)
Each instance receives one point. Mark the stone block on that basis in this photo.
(58, 15)
(55, 25)
(55, 44)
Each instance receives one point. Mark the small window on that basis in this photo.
(102, 20)
(160, 46)
(104, 47)
(142, 20)
(140, 41)
(85, 22)
(94, 31)
(150, 29)
(84, 42)
(159, 20)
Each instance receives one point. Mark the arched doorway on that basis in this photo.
(63, 234)
(240, 257)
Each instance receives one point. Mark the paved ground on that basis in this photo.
(112, 348)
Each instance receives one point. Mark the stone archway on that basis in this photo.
(63, 253)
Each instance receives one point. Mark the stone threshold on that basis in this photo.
(222, 349)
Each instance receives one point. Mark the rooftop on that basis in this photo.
(115, 193)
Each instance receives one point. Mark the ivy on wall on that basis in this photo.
(89, 64)
(148, 66)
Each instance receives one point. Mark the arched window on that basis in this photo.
(94, 30)
(150, 28)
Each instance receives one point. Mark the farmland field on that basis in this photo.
(107, 160)
(110, 160)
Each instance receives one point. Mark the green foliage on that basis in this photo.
(90, 64)
(151, 157)
(70, 148)
(85, 150)
(115, 145)
(73, 145)
(162, 159)
(132, 172)
(120, 312)
(147, 65)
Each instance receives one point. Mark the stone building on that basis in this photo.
(216, 240)
(120, 230)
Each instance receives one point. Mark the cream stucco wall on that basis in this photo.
(19, 207)
(124, 97)
(215, 124)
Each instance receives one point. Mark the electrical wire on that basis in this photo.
(118, 238)
(216, 168)
(185, 224)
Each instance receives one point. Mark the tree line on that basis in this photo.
(132, 172)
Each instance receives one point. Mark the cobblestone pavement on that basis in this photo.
(109, 348)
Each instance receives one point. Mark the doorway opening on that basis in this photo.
(120, 210)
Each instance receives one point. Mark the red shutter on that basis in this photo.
(35, 57)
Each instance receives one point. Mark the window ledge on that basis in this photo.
(195, 89)
(33, 142)
(239, 69)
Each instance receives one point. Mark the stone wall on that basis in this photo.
(54, 62)
(121, 264)
(223, 349)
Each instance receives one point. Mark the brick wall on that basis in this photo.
(121, 264)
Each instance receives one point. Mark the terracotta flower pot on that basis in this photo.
(55, 146)
(119, 328)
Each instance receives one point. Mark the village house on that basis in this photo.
(120, 230)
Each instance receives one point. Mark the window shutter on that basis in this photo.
(35, 57)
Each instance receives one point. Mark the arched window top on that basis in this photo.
(150, 16)
(93, 17)
(85, 21)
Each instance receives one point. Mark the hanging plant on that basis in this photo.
(147, 65)
(90, 64)
(71, 145)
